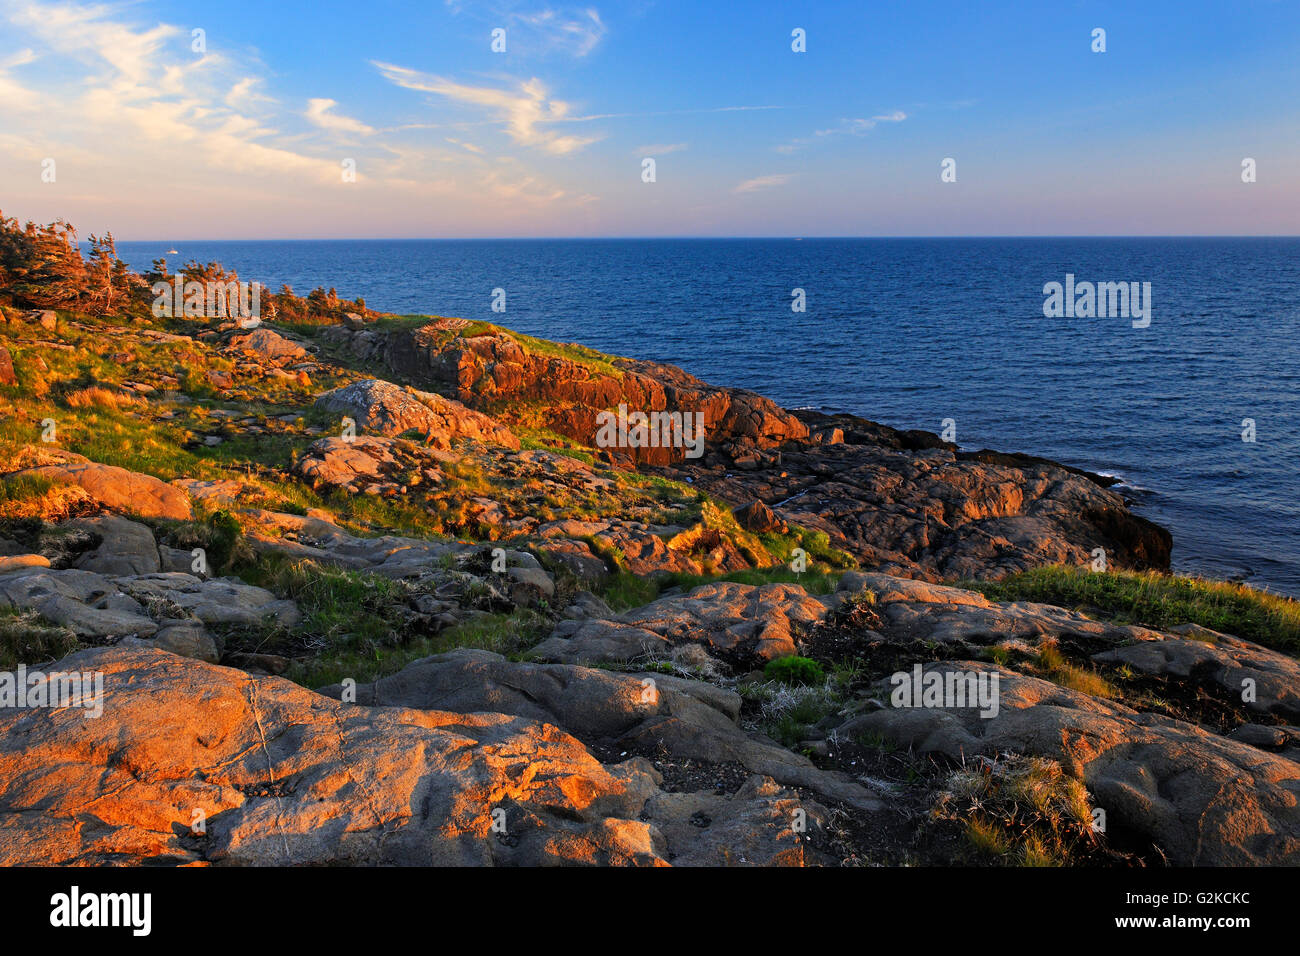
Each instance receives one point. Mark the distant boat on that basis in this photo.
(173, 252)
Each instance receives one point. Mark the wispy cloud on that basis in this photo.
(246, 96)
(549, 31)
(845, 127)
(319, 112)
(705, 109)
(578, 31)
(106, 81)
(526, 112)
(21, 58)
(763, 182)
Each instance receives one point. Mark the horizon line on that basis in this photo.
(788, 238)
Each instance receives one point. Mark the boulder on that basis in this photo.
(387, 410)
(213, 601)
(187, 640)
(19, 562)
(758, 518)
(120, 490)
(268, 346)
(1229, 662)
(89, 604)
(7, 376)
(736, 625)
(125, 547)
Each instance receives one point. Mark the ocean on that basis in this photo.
(913, 332)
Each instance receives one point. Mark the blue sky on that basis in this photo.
(246, 139)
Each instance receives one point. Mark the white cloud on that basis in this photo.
(856, 127)
(147, 103)
(319, 113)
(466, 146)
(245, 96)
(763, 182)
(525, 113)
(21, 58)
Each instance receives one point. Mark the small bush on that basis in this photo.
(219, 535)
(801, 671)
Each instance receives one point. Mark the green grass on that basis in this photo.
(589, 358)
(16, 489)
(360, 625)
(814, 582)
(815, 544)
(624, 590)
(793, 669)
(506, 634)
(543, 439)
(1155, 600)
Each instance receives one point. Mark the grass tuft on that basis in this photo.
(1156, 600)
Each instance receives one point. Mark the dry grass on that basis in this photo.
(96, 396)
(1051, 664)
(1021, 811)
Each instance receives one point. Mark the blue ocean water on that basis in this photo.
(912, 332)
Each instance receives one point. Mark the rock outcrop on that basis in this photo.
(279, 775)
(493, 368)
(906, 505)
(721, 625)
(266, 345)
(172, 610)
(1204, 800)
(660, 734)
(648, 713)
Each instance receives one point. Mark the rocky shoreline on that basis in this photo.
(606, 625)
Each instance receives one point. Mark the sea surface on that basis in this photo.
(913, 332)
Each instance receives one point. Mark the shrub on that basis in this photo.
(219, 535)
(793, 669)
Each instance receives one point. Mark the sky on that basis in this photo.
(119, 116)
